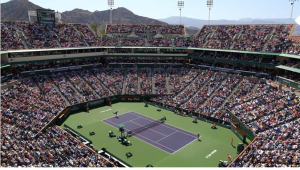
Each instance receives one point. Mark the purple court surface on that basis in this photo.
(163, 136)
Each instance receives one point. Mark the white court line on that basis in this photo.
(167, 136)
(146, 138)
(115, 115)
(126, 121)
(169, 126)
(148, 128)
(184, 146)
(182, 131)
(105, 110)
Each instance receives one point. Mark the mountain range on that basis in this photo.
(16, 10)
(198, 23)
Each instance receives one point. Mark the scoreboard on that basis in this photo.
(45, 16)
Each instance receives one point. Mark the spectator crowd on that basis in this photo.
(266, 38)
(270, 112)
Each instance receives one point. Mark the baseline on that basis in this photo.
(167, 136)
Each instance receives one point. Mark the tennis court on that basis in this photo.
(214, 144)
(163, 136)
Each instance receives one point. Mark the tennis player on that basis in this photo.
(199, 136)
(116, 114)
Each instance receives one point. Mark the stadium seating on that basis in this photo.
(37, 36)
(226, 88)
(178, 81)
(146, 82)
(66, 89)
(203, 93)
(139, 42)
(23, 103)
(112, 79)
(99, 88)
(105, 41)
(160, 82)
(244, 37)
(25, 111)
(262, 107)
(81, 86)
(276, 147)
(279, 40)
(199, 80)
(131, 81)
(266, 38)
(145, 29)
(160, 42)
(9, 41)
(28, 106)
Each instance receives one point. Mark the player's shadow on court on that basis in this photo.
(233, 146)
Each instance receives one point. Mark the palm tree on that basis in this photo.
(95, 28)
(102, 31)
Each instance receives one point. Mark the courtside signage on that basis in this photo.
(209, 155)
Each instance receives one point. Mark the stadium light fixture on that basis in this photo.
(110, 3)
(209, 5)
(292, 3)
(180, 5)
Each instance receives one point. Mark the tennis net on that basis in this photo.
(147, 126)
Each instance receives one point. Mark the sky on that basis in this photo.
(159, 9)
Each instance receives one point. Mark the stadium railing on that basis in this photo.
(120, 160)
(88, 147)
(141, 65)
(230, 165)
(6, 78)
(241, 72)
(291, 83)
(235, 61)
(52, 122)
(61, 69)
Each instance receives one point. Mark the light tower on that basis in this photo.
(110, 4)
(293, 2)
(209, 5)
(180, 5)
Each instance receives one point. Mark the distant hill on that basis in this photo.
(192, 22)
(120, 16)
(16, 10)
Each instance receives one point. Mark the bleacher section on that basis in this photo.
(118, 29)
(258, 38)
(264, 108)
